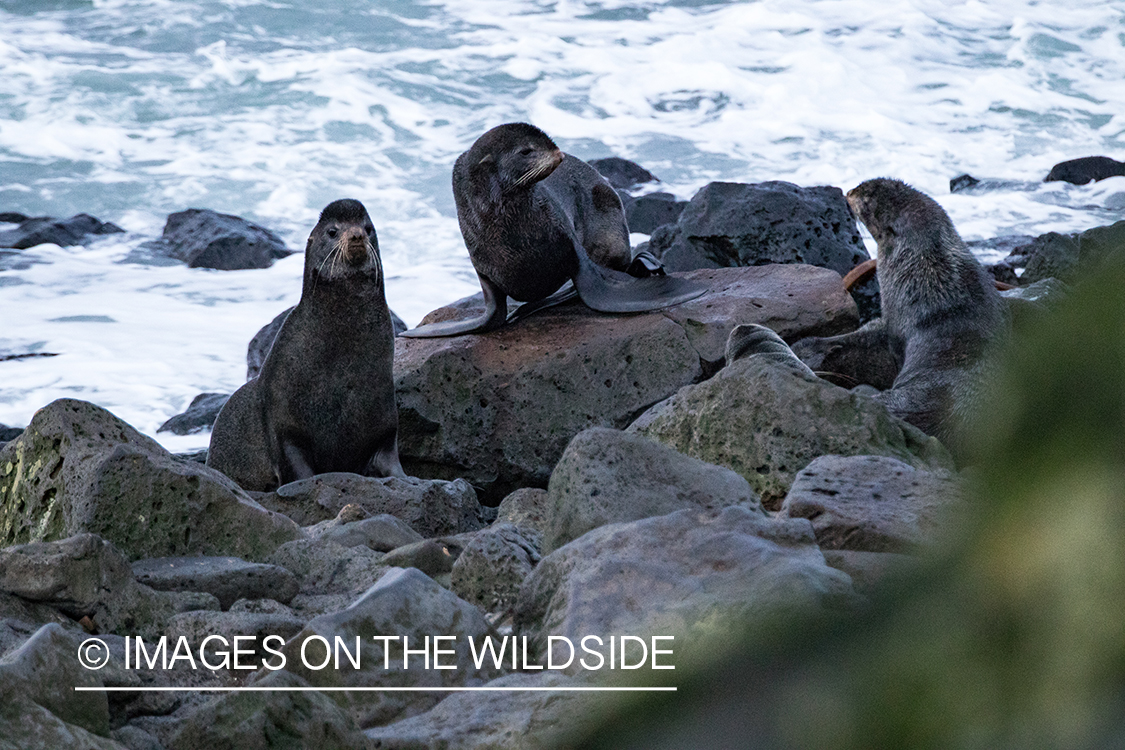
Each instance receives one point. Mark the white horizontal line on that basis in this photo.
(271, 689)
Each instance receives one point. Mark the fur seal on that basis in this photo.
(325, 399)
(533, 218)
(941, 313)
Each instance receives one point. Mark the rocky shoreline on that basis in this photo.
(585, 475)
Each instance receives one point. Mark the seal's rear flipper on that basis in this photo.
(495, 313)
(566, 293)
(645, 264)
(611, 291)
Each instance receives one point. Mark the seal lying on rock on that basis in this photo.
(534, 217)
(941, 313)
(325, 398)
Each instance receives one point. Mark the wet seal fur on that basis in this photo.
(534, 218)
(941, 313)
(325, 399)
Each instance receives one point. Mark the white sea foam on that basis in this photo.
(132, 109)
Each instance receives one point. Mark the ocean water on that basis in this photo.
(132, 109)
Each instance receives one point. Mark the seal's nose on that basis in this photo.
(355, 246)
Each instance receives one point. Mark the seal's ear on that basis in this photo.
(488, 159)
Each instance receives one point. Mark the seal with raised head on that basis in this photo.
(325, 398)
(941, 313)
(533, 218)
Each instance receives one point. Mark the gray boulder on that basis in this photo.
(199, 416)
(540, 720)
(62, 232)
(676, 575)
(735, 224)
(1084, 170)
(767, 420)
(608, 476)
(77, 468)
(493, 565)
(622, 173)
(381, 533)
(871, 571)
(432, 507)
(646, 213)
(404, 604)
(873, 503)
(500, 409)
(526, 507)
(227, 578)
(39, 707)
(198, 626)
(84, 576)
(269, 720)
(330, 576)
(1065, 256)
(203, 238)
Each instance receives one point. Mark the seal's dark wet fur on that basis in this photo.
(941, 313)
(533, 218)
(324, 400)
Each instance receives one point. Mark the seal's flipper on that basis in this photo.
(384, 462)
(611, 291)
(565, 294)
(645, 264)
(495, 313)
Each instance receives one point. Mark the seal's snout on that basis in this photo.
(354, 246)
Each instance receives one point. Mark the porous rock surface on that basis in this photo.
(737, 224)
(767, 420)
(676, 575)
(432, 507)
(77, 468)
(608, 476)
(872, 503)
(499, 409)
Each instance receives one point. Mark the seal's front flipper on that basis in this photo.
(495, 313)
(565, 293)
(610, 291)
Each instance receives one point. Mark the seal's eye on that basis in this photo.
(332, 232)
(369, 228)
(526, 151)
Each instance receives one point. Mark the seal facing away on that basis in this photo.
(325, 399)
(533, 218)
(941, 313)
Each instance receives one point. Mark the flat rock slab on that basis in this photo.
(227, 578)
(381, 533)
(538, 720)
(77, 468)
(676, 575)
(767, 420)
(432, 507)
(499, 409)
(872, 503)
(608, 476)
